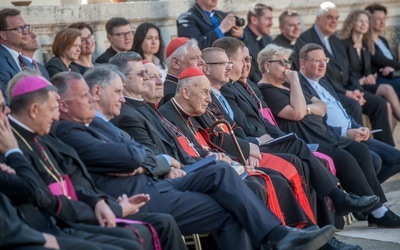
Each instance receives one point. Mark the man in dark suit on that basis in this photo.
(28, 51)
(342, 78)
(120, 36)
(311, 80)
(180, 54)
(257, 34)
(119, 164)
(14, 34)
(290, 27)
(206, 25)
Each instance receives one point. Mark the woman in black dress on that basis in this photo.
(305, 115)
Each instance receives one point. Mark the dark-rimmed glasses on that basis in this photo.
(283, 62)
(20, 29)
(122, 35)
(88, 39)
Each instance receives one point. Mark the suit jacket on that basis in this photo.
(105, 57)
(196, 24)
(246, 113)
(145, 126)
(254, 46)
(104, 152)
(55, 65)
(284, 42)
(361, 66)
(8, 69)
(380, 61)
(169, 89)
(338, 72)
(14, 231)
(307, 88)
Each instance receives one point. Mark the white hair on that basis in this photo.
(324, 7)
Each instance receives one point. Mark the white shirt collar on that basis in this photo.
(20, 124)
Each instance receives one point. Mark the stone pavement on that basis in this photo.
(376, 238)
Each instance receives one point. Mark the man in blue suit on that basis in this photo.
(14, 34)
(28, 51)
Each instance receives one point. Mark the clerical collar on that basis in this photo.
(293, 42)
(20, 124)
(132, 98)
(259, 38)
(180, 109)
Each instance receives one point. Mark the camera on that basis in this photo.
(240, 22)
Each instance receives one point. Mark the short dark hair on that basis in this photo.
(64, 40)
(140, 35)
(4, 13)
(303, 53)
(19, 103)
(115, 22)
(229, 44)
(61, 79)
(121, 59)
(376, 7)
(81, 26)
(287, 13)
(257, 10)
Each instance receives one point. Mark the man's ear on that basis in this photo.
(33, 110)
(302, 63)
(175, 63)
(206, 70)
(185, 93)
(96, 93)
(253, 19)
(62, 106)
(109, 38)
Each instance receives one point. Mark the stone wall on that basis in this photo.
(49, 16)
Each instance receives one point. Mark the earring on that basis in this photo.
(268, 71)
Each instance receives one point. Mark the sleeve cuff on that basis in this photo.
(167, 159)
(11, 151)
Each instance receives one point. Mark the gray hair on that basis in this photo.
(324, 7)
(307, 49)
(61, 80)
(182, 51)
(270, 52)
(103, 75)
(121, 60)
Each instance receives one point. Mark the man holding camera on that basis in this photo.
(206, 25)
(259, 22)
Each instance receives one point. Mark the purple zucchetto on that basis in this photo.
(29, 84)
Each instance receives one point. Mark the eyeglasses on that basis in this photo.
(88, 39)
(248, 59)
(122, 35)
(318, 61)
(283, 62)
(225, 63)
(140, 74)
(20, 29)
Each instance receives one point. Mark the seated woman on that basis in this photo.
(88, 46)
(66, 49)
(305, 115)
(147, 42)
(383, 61)
(357, 38)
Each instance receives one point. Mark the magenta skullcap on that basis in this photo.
(29, 84)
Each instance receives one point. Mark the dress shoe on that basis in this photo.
(355, 203)
(335, 244)
(306, 240)
(389, 220)
(360, 216)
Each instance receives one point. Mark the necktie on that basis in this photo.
(116, 130)
(226, 106)
(35, 65)
(21, 62)
(252, 94)
(328, 45)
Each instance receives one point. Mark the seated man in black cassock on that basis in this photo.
(211, 200)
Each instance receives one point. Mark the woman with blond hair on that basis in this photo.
(356, 35)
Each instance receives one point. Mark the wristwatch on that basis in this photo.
(309, 110)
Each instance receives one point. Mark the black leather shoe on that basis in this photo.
(360, 216)
(389, 220)
(355, 203)
(335, 244)
(306, 240)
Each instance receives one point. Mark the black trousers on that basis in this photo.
(355, 170)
